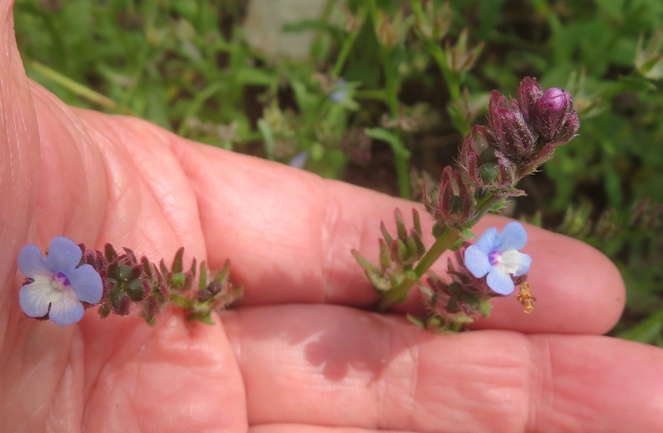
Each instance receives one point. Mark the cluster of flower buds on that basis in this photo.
(128, 281)
(397, 255)
(392, 30)
(522, 135)
(461, 57)
(452, 203)
(431, 20)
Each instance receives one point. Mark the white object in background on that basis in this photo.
(263, 28)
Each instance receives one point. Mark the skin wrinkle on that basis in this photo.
(155, 194)
(173, 209)
(540, 373)
(119, 192)
(328, 230)
(83, 198)
(67, 406)
(414, 386)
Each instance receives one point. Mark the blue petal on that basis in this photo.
(476, 261)
(35, 298)
(513, 237)
(63, 254)
(32, 263)
(488, 241)
(86, 283)
(299, 160)
(499, 282)
(67, 311)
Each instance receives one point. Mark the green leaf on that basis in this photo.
(177, 261)
(364, 262)
(266, 131)
(385, 233)
(400, 225)
(389, 137)
(255, 77)
(202, 280)
(647, 331)
(416, 221)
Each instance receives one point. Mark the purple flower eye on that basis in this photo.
(497, 256)
(59, 287)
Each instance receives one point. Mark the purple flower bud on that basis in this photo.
(453, 203)
(513, 134)
(474, 145)
(529, 92)
(554, 118)
(506, 172)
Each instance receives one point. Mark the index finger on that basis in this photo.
(289, 234)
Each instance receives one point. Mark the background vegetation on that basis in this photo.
(388, 91)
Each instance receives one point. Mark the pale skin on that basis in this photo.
(301, 353)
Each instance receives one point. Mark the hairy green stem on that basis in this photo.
(442, 243)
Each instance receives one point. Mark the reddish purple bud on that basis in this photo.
(472, 150)
(555, 99)
(454, 203)
(125, 306)
(529, 92)
(514, 136)
(554, 118)
(150, 307)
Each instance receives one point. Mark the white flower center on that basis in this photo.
(507, 262)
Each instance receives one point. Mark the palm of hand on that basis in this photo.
(99, 182)
(279, 363)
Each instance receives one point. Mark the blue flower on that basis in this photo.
(59, 287)
(299, 160)
(497, 256)
(340, 92)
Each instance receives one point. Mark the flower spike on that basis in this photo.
(72, 278)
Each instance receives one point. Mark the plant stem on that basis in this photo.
(76, 88)
(451, 78)
(348, 44)
(442, 243)
(391, 88)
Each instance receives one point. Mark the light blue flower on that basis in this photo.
(340, 92)
(497, 255)
(299, 160)
(59, 286)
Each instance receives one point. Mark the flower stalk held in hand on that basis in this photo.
(521, 135)
(72, 278)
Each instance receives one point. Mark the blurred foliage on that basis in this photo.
(400, 72)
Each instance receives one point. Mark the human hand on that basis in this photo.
(299, 354)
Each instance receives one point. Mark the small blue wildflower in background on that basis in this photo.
(299, 160)
(59, 287)
(497, 255)
(340, 92)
